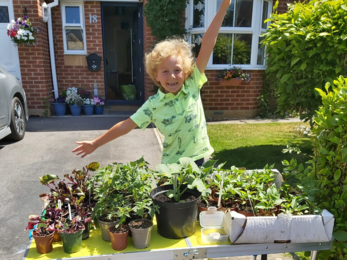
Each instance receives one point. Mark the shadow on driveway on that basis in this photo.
(81, 123)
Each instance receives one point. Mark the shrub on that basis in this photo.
(165, 17)
(330, 164)
(306, 47)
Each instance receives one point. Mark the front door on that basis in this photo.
(8, 51)
(123, 53)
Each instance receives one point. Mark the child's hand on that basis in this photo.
(84, 148)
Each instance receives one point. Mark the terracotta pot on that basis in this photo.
(231, 82)
(44, 244)
(104, 226)
(56, 237)
(119, 241)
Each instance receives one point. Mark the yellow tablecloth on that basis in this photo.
(95, 245)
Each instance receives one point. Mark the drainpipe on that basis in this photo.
(51, 48)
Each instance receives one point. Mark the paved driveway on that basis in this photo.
(46, 149)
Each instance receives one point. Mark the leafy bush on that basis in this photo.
(306, 47)
(330, 147)
(165, 17)
(325, 178)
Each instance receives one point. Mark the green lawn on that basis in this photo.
(255, 145)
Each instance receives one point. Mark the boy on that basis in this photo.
(176, 109)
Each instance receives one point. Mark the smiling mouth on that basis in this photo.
(172, 84)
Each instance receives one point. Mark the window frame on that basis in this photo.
(255, 30)
(73, 26)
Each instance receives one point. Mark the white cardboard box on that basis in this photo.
(283, 228)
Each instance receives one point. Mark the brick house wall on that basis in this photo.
(220, 102)
(34, 60)
(72, 70)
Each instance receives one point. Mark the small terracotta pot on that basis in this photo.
(44, 244)
(56, 237)
(119, 241)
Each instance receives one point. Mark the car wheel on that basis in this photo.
(17, 120)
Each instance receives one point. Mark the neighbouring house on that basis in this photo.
(116, 31)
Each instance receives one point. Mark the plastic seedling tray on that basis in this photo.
(212, 230)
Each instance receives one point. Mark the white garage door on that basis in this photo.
(9, 59)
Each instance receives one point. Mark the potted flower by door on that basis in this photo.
(119, 232)
(178, 202)
(59, 104)
(98, 105)
(70, 232)
(74, 100)
(233, 77)
(141, 228)
(88, 106)
(43, 235)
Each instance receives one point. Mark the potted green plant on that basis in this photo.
(119, 232)
(118, 185)
(269, 199)
(70, 232)
(141, 228)
(178, 202)
(74, 100)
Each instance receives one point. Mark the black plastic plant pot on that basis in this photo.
(85, 233)
(176, 219)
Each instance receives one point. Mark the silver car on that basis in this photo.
(13, 107)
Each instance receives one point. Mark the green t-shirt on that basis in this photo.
(180, 119)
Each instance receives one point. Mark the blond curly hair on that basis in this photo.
(165, 49)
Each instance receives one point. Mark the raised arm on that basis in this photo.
(87, 147)
(210, 37)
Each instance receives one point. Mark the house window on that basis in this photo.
(4, 17)
(238, 42)
(73, 28)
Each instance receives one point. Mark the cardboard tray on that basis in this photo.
(285, 228)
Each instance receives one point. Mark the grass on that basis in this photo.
(255, 145)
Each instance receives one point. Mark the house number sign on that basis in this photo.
(93, 18)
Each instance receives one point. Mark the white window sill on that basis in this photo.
(75, 53)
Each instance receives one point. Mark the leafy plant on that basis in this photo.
(141, 207)
(120, 186)
(306, 47)
(330, 161)
(186, 172)
(70, 226)
(165, 17)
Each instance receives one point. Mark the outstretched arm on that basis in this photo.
(210, 37)
(87, 147)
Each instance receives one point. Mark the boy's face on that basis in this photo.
(170, 74)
